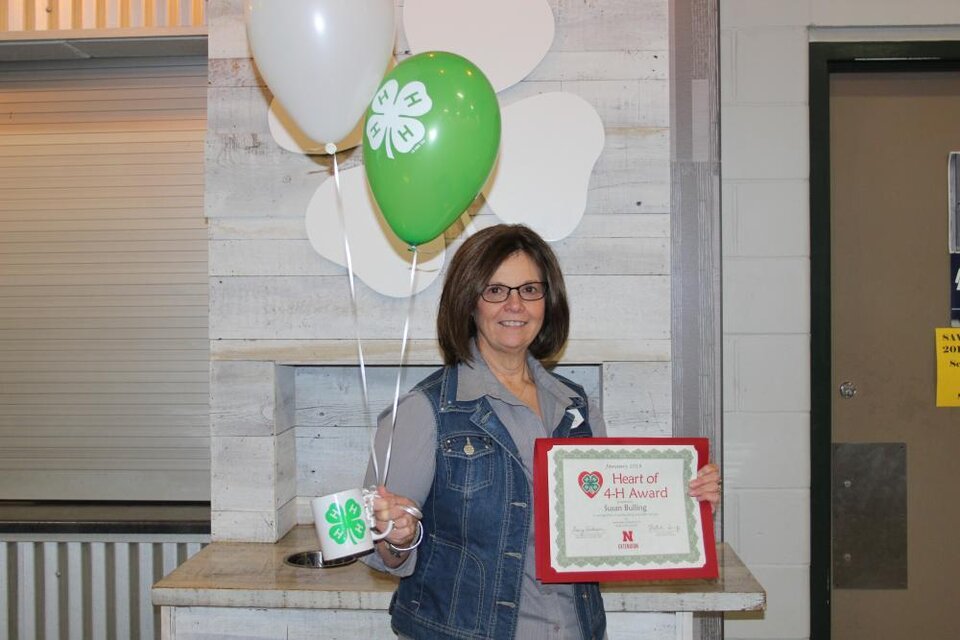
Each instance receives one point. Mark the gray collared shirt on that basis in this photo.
(547, 611)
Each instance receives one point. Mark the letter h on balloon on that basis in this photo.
(413, 98)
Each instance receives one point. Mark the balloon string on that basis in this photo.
(396, 391)
(353, 288)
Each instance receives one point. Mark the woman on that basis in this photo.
(462, 455)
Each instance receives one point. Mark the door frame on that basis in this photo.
(827, 58)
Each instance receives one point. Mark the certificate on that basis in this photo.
(610, 509)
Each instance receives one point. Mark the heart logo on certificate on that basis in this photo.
(590, 482)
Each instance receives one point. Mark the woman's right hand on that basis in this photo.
(389, 506)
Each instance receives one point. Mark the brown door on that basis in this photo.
(896, 548)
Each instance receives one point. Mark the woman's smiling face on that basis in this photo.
(509, 327)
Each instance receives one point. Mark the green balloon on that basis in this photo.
(430, 140)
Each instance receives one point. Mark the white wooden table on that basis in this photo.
(233, 589)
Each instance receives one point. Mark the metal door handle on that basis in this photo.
(847, 390)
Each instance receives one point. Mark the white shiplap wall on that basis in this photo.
(333, 430)
(273, 300)
(276, 428)
(103, 296)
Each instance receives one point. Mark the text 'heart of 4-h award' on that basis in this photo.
(612, 509)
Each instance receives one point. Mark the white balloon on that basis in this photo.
(549, 144)
(379, 258)
(288, 135)
(322, 59)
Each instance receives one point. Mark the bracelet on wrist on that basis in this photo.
(396, 551)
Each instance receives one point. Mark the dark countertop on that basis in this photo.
(26, 516)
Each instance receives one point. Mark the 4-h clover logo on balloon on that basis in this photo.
(395, 113)
(347, 522)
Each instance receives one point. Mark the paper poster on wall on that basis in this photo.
(948, 367)
(955, 289)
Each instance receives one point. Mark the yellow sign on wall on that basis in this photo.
(948, 367)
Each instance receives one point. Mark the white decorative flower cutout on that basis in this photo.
(505, 38)
(394, 121)
(542, 177)
(291, 137)
(380, 259)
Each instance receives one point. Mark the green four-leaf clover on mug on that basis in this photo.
(347, 522)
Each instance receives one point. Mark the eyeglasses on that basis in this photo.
(528, 291)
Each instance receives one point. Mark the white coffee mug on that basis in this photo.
(344, 521)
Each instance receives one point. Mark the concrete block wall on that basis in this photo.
(766, 278)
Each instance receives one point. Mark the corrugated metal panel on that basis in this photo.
(92, 588)
(103, 281)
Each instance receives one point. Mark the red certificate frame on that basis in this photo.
(689, 531)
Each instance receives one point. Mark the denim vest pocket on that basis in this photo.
(462, 581)
(468, 461)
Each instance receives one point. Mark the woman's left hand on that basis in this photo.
(706, 486)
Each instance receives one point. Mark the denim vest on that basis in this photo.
(476, 522)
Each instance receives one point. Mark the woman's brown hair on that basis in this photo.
(470, 271)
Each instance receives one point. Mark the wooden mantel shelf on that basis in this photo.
(241, 574)
(419, 351)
